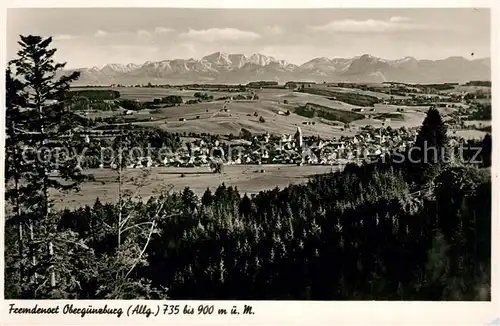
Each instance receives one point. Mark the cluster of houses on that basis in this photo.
(454, 99)
(369, 143)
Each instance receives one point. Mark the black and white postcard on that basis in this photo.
(259, 162)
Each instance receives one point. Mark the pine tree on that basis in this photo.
(245, 206)
(207, 198)
(45, 122)
(433, 130)
(189, 198)
(37, 124)
(486, 150)
(14, 164)
(430, 147)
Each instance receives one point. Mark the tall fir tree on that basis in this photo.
(430, 148)
(45, 120)
(433, 130)
(486, 148)
(14, 168)
(37, 118)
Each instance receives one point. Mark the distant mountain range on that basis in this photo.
(237, 68)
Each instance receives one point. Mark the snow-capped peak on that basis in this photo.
(261, 59)
(218, 58)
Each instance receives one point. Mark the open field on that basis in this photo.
(360, 91)
(312, 110)
(240, 115)
(424, 108)
(410, 120)
(298, 98)
(207, 117)
(431, 95)
(479, 123)
(347, 97)
(483, 100)
(386, 108)
(468, 89)
(237, 118)
(247, 178)
(303, 98)
(470, 134)
(145, 94)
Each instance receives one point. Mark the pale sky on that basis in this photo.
(96, 36)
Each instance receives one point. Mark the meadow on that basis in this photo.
(208, 117)
(145, 94)
(363, 92)
(247, 178)
(480, 123)
(470, 134)
(468, 89)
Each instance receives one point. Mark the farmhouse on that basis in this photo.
(50, 102)
(308, 84)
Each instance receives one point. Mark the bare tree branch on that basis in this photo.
(135, 225)
(153, 224)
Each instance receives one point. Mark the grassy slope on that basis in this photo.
(246, 177)
(270, 102)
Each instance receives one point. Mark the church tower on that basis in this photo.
(298, 138)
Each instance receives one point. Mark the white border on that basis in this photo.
(254, 4)
(285, 312)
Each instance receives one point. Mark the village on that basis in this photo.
(369, 143)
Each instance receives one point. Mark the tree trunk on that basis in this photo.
(20, 226)
(21, 249)
(52, 273)
(119, 195)
(32, 251)
(46, 205)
